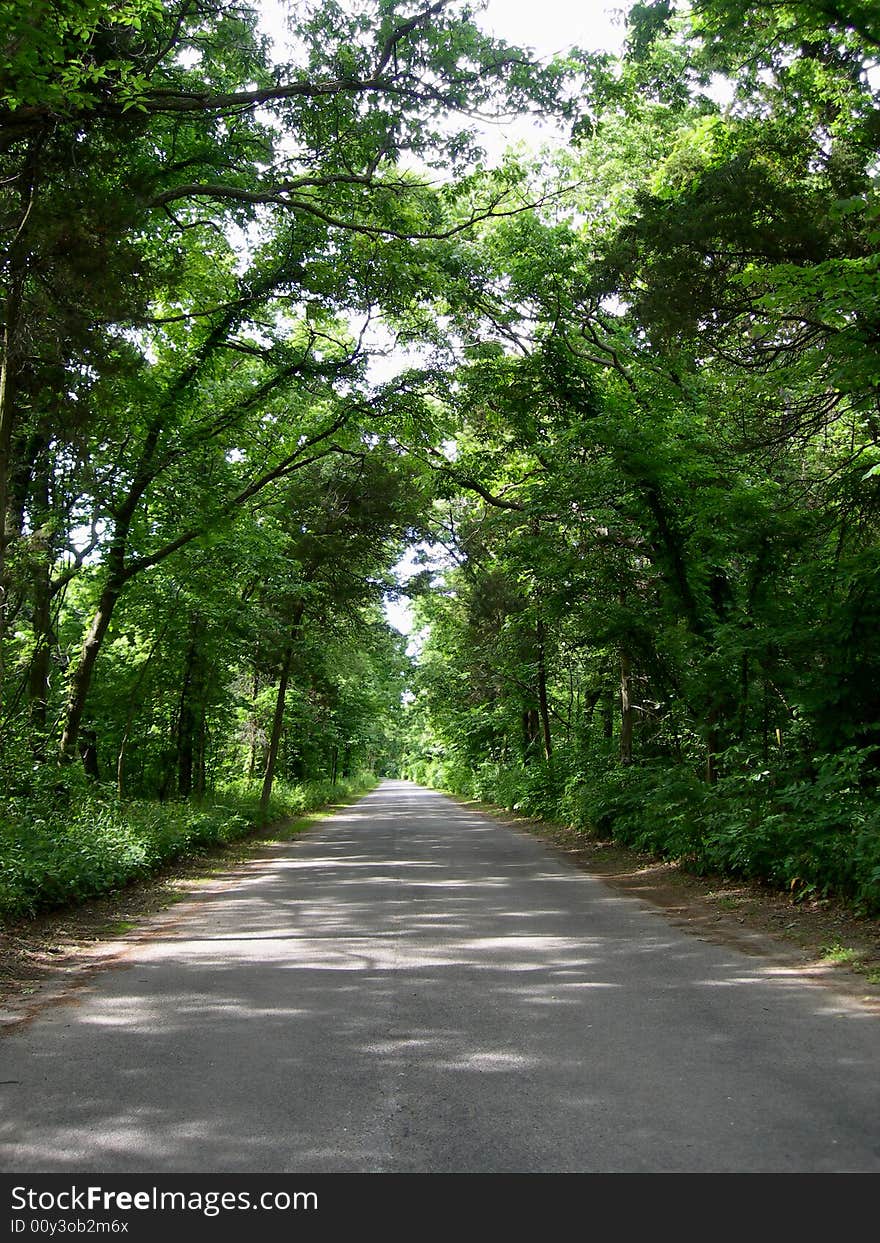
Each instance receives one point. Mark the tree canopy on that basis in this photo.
(271, 316)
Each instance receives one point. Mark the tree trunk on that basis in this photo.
(190, 718)
(626, 708)
(278, 719)
(275, 736)
(542, 694)
(531, 733)
(81, 678)
(17, 258)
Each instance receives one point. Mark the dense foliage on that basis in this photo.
(268, 322)
(202, 485)
(662, 617)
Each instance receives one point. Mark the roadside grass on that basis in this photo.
(815, 837)
(83, 842)
(841, 954)
(67, 938)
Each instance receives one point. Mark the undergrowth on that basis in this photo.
(71, 839)
(814, 835)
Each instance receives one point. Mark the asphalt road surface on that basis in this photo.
(413, 987)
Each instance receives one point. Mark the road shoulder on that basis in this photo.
(817, 939)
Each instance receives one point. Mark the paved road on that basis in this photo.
(412, 987)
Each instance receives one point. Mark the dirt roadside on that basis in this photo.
(43, 958)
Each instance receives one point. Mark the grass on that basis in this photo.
(83, 842)
(32, 948)
(840, 954)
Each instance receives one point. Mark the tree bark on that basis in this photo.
(81, 677)
(278, 719)
(531, 733)
(543, 704)
(275, 736)
(190, 718)
(626, 708)
(9, 332)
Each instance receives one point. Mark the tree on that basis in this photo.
(168, 352)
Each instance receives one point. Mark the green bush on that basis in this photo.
(815, 835)
(73, 841)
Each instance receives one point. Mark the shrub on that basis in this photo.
(816, 835)
(74, 840)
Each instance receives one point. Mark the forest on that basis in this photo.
(282, 341)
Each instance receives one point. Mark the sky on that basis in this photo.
(547, 26)
(550, 26)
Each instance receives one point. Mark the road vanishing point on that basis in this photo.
(411, 986)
